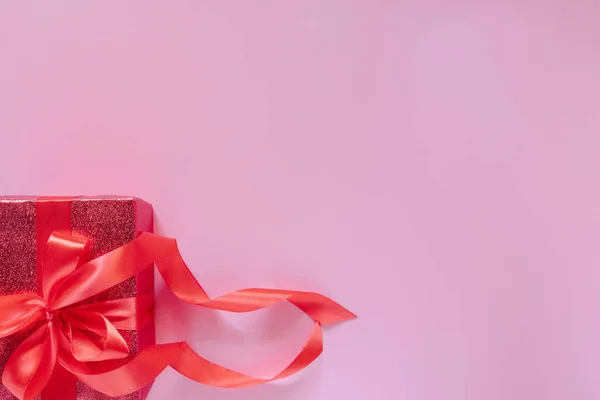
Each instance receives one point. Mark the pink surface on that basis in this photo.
(434, 167)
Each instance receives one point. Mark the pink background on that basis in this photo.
(432, 166)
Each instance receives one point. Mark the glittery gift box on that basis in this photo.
(109, 222)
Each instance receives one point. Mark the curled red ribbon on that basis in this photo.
(80, 339)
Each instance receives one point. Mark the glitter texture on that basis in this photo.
(17, 247)
(109, 222)
(17, 264)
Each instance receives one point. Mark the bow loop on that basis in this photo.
(129, 313)
(93, 337)
(30, 366)
(64, 253)
(18, 311)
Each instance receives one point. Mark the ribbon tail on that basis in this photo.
(203, 371)
(147, 365)
(184, 285)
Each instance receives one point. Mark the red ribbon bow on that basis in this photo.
(81, 339)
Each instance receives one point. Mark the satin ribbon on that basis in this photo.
(84, 340)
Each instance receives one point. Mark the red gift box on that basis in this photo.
(109, 222)
(76, 303)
